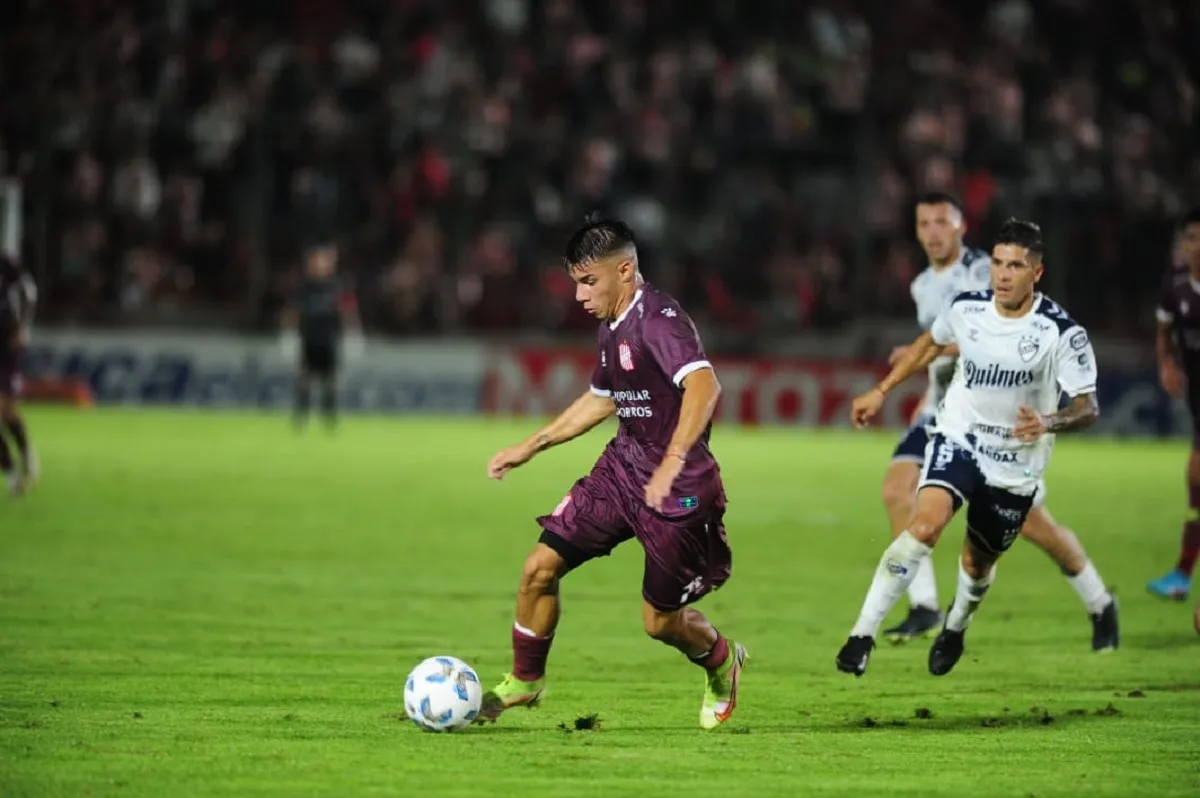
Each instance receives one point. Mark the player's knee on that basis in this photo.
(541, 571)
(660, 625)
(925, 529)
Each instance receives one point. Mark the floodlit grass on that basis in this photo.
(208, 604)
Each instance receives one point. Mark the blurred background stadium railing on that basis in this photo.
(174, 158)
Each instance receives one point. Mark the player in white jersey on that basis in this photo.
(954, 269)
(992, 438)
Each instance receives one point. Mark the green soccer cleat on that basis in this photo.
(720, 693)
(512, 692)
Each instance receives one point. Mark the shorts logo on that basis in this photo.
(1027, 348)
(692, 588)
(625, 354)
(562, 506)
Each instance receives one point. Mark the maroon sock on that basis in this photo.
(715, 657)
(1189, 549)
(529, 655)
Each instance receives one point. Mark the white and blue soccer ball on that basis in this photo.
(442, 694)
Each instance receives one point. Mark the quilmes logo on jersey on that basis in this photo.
(1027, 348)
(993, 375)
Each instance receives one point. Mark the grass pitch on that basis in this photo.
(204, 604)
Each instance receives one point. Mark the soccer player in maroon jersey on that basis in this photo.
(18, 298)
(656, 481)
(1178, 345)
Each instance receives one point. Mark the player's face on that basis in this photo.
(1189, 247)
(322, 262)
(940, 230)
(1015, 272)
(600, 286)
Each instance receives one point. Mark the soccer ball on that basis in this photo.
(442, 694)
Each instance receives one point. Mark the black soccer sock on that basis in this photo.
(329, 401)
(16, 428)
(6, 459)
(302, 399)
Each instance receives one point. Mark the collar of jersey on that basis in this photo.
(1037, 300)
(615, 323)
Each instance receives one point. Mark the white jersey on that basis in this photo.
(1004, 363)
(932, 290)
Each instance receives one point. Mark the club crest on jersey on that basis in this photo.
(625, 355)
(1027, 348)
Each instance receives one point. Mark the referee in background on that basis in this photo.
(314, 322)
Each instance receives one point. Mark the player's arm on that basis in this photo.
(582, 415)
(28, 293)
(1076, 363)
(1170, 375)
(701, 390)
(920, 354)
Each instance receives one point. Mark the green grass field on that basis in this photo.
(202, 604)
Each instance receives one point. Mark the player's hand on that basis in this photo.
(506, 460)
(866, 406)
(897, 353)
(1172, 379)
(1031, 425)
(659, 486)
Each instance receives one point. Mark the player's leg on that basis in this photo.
(585, 525)
(899, 498)
(976, 570)
(1067, 552)
(304, 380)
(686, 559)
(994, 521)
(935, 506)
(329, 383)
(1177, 583)
(950, 474)
(8, 466)
(15, 430)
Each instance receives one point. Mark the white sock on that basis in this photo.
(895, 573)
(923, 590)
(970, 593)
(1090, 587)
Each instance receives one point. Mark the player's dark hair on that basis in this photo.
(1190, 218)
(598, 238)
(940, 198)
(1022, 233)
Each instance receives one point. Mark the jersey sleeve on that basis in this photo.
(1076, 362)
(942, 329)
(672, 340)
(599, 384)
(1165, 311)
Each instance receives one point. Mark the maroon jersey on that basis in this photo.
(1179, 306)
(644, 357)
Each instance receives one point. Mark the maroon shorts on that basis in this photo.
(687, 556)
(10, 370)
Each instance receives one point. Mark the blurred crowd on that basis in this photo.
(179, 155)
